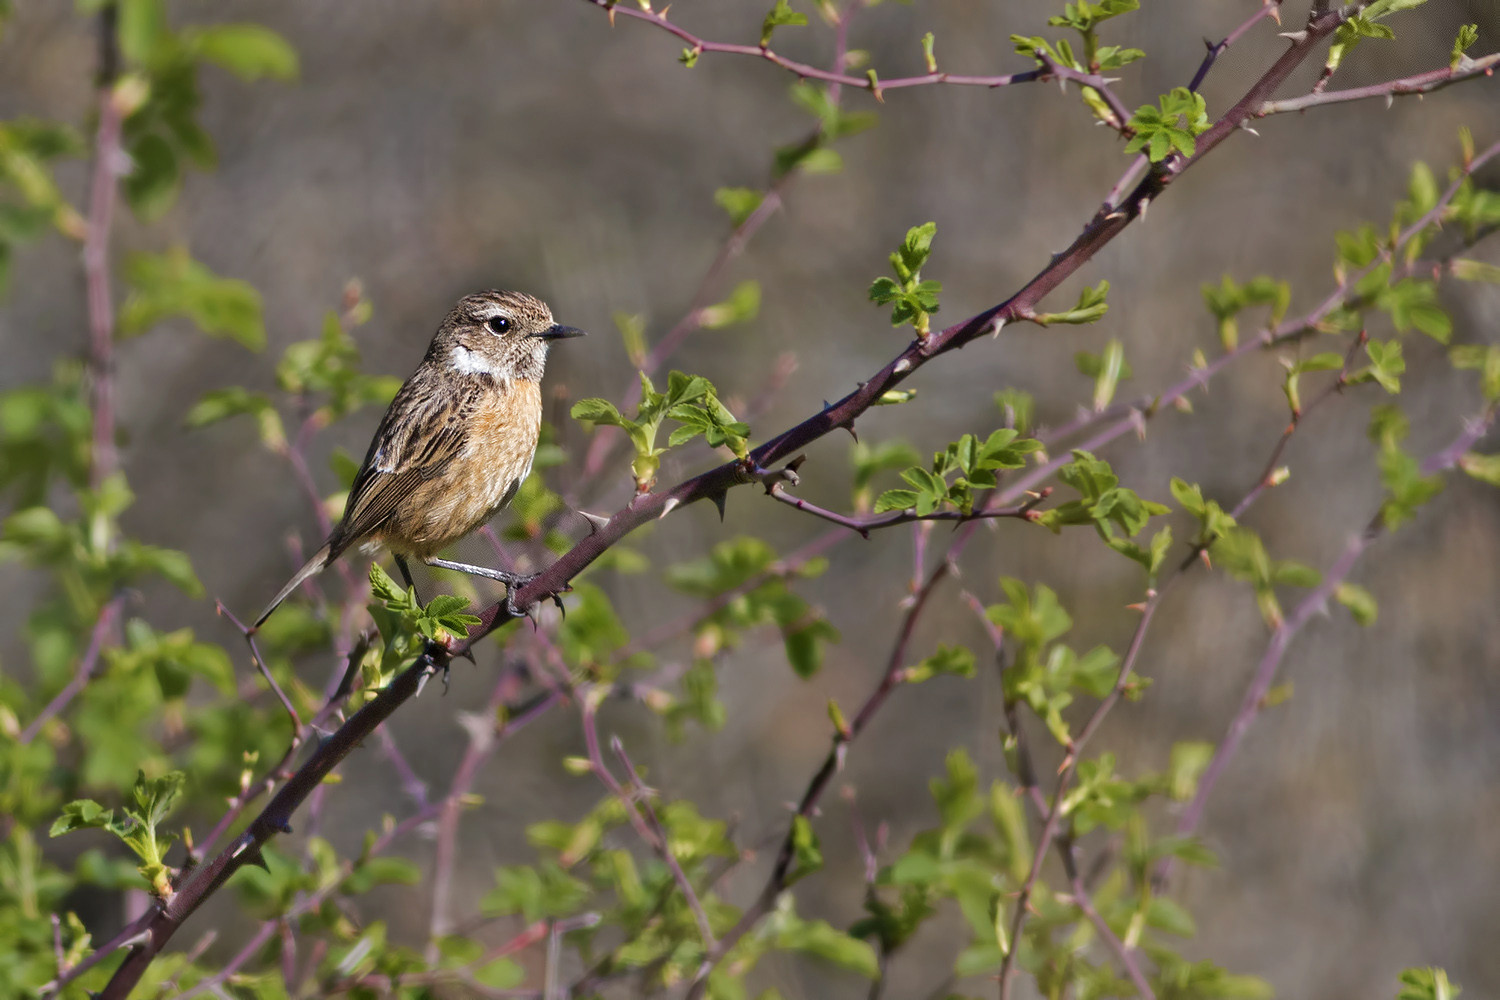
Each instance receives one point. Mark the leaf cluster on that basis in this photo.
(689, 400)
(912, 299)
(973, 464)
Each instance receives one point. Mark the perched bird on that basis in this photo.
(456, 443)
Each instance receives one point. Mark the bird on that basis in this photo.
(456, 443)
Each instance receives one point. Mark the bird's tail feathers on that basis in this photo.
(315, 565)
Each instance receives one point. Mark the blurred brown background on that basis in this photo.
(431, 149)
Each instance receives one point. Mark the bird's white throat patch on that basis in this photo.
(467, 362)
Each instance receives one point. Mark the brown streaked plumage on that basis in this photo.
(457, 441)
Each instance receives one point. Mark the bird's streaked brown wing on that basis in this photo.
(421, 433)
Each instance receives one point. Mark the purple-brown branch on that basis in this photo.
(108, 618)
(864, 525)
(808, 72)
(1420, 83)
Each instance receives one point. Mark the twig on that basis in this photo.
(808, 72)
(1421, 83)
(265, 671)
(864, 525)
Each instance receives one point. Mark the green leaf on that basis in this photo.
(1091, 308)
(1485, 468)
(1188, 762)
(534, 892)
(742, 306)
(154, 178)
(1359, 601)
(142, 29)
(598, 411)
(896, 500)
(807, 854)
(1173, 125)
(501, 974)
(781, 14)
(1426, 984)
(1468, 34)
(249, 51)
(740, 203)
(957, 660)
(173, 284)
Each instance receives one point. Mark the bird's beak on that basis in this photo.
(559, 332)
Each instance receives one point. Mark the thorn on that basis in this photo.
(422, 682)
(718, 499)
(1295, 37)
(1275, 13)
(1390, 100)
(904, 365)
(611, 10)
(672, 504)
(1138, 420)
(1145, 203)
(1207, 563)
(849, 426)
(999, 325)
(1141, 607)
(1245, 125)
(285, 827)
(595, 521)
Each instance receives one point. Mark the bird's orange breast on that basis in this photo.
(500, 435)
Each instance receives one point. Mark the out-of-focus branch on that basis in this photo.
(832, 764)
(1421, 83)
(110, 163)
(643, 819)
(485, 734)
(1313, 604)
(86, 667)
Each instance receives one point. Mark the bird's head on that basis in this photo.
(501, 334)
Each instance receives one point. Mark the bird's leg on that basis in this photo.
(511, 580)
(406, 574)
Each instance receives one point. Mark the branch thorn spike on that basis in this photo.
(719, 499)
(672, 504)
(595, 521)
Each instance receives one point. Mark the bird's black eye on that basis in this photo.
(498, 324)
